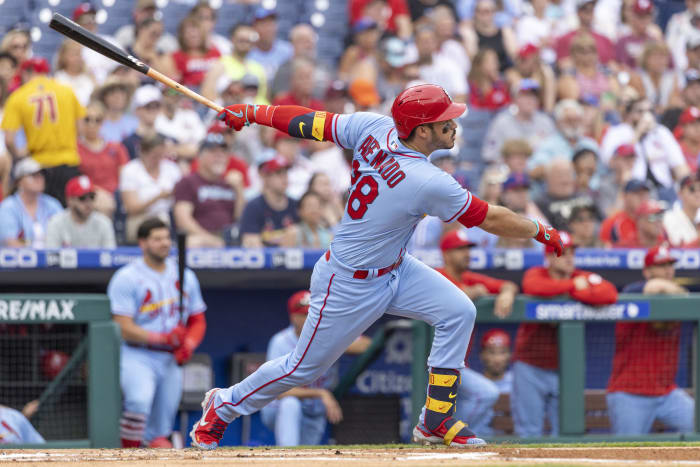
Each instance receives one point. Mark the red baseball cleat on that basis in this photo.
(421, 435)
(209, 430)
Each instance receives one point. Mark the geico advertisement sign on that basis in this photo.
(40, 310)
(230, 258)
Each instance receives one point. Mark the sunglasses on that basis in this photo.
(93, 119)
(87, 196)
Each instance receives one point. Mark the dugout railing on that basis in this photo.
(572, 319)
(81, 326)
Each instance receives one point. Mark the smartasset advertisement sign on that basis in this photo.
(549, 311)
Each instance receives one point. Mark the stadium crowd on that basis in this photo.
(583, 114)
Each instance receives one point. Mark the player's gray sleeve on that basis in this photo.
(122, 294)
(441, 196)
(29, 433)
(195, 303)
(349, 128)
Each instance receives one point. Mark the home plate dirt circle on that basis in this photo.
(363, 456)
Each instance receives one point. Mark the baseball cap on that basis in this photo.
(35, 64)
(249, 80)
(636, 185)
(273, 165)
(363, 24)
(455, 239)
(689, 115)
(212, 140)
(262, 13)
(364, 92)
(516, 180)
(650, 207)
(299, 302)
(497, 337)
(79, 186)
(82, 9)
(660, 254)
(688, 180)
(566, 241)
(397, 53)
(528, 85)
(582, 3)
(527, 50)
(625, 150)
(24, 167)
(146, 94)
(643, 7)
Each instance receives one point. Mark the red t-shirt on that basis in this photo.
(234, 163)
(290, 99)
(628, 49)
(537, 344)
(398, 8)
(619, 229)
(646, 358)
(605, 47)
(103, 167)
(192, 69)
(497, 98)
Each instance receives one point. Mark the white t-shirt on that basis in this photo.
(82, 85)
(658, 148)
(679, 228)
(444, 74)
(186, 127)
(332, 163)
(134, 177)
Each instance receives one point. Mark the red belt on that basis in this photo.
(364, 273)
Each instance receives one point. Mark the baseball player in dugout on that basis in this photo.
(366, 272)
(642, 386)
(536, 357)
(157, 336)
(299, 415)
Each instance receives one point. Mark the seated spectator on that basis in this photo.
(25, 215)
(85, 15)
(195, 55)
(495, 355)
(568, 115)
(146, 185)
(80, 225)
(298, 416)
(537, 27)
(515, 153)
(450, 46)
(642, 386)
(529, 65)
(585, 77)
(115, 95)
(604, 47)
(143, 10)
(361, 57)
(300, 86)
(267, 219)
(16, 429)
(516, 197)
(561, 196)
(395, 63)
(332, 207)
(311, 231)
(621, 226)
(628, 49)
(613, 182)
(583, 223)
(656, 80)
(18, 44)
(207, 205)
(658, 156)
(435, 68)
(71, 70)
(486, 34)
(181, 125)
(236, 166)
(585, 163)
(521, 121)
(687, 132)
(491, 184)
(206, 17)
(270, 51)
(147, 33)
(682, 223)
(681, 29)
(147, 106)
(487, 91)
(99, 160)
(536, 359)
(8, 68)
(650, 229)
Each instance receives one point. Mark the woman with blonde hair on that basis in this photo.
(195, 56)
(71, 70)
(656, 80)
(18, 44)
(587, 77)
(487, 90)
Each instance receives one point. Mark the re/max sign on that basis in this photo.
(39, 310)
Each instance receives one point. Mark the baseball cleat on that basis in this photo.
(209, 430)
(421, 435)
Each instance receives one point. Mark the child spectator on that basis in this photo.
(310, 230)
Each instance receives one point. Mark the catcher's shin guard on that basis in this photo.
(440, 406)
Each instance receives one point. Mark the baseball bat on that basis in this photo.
(181, 259)
(81, 35)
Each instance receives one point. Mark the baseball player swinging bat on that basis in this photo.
(81, 35)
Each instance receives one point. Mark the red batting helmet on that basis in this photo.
(52, 362)
(425, 103)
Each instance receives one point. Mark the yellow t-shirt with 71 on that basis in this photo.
(48, 112)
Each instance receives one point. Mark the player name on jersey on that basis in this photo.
(39, 310)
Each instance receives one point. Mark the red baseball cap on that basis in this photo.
(36, 64)
(624, 150)
(566, 242)
(299, 302)
(497, 337)
(650, 207)
(455, 239)
(273, 165)
(527, 50)
(660, 254)
(643, 7)
(79, 186)
(689, 115)
(82, 9)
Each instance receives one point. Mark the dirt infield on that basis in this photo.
(363, 456)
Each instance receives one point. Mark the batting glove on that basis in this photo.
(235, 116)
(173, 338)
(549, 236)
(183, 354)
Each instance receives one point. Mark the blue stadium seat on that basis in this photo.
(13, 12)
(231, 14)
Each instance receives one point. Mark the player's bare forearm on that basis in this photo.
(130, 331)
(505, 223)
(359, 345)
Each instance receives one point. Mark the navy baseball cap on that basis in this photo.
(516, 180)
(528, 85)
(213, 140)
(636, 185)
(363, 24)
(262, 13)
